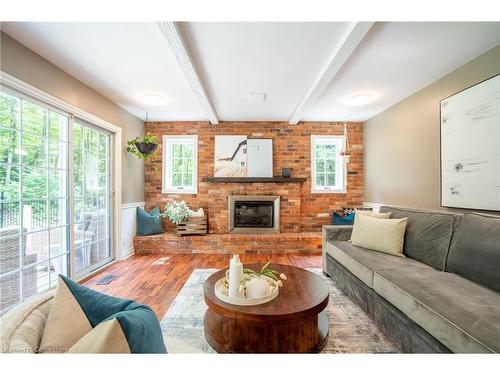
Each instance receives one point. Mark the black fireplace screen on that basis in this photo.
(253, 214)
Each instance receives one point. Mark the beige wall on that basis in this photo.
(24, 64)
(402, 143)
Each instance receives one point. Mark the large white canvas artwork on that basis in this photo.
(230, 156)
(470, 147)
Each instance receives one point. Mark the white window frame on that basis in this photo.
(168, 141)
(340, 168)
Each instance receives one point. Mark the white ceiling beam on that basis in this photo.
(171, 34)
(346, 46)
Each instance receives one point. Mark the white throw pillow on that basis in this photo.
(383, 235)
(378, 215)
(199, 213)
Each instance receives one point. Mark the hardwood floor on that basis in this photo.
(156, 279)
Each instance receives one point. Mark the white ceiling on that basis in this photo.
(280, 59)
(283, 60)
(397, 59)
(119, 60)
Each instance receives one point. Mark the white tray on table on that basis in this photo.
(222, 293)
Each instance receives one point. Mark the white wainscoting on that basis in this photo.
(128, 227)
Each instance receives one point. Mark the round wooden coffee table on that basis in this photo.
(294, 322)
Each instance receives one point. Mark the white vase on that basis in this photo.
(257, 287)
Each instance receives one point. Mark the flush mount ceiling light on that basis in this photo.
(152, 99)
(360, 99)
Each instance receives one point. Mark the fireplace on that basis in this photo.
(254, 214)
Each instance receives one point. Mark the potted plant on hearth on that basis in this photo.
(186, 220)
(143, 148)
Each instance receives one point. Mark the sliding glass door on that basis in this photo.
(50, 167)
(91, 187)
(33, 198)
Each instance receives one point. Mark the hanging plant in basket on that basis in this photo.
(143, 148)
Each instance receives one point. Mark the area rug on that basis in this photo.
(351, 330)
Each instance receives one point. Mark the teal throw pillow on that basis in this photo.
(149, 222)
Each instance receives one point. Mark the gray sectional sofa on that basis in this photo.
(443, 296)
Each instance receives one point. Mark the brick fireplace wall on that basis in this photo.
(301, 211)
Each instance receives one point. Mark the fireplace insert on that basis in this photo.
(253, 214)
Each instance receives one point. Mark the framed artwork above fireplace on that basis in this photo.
(237, 156)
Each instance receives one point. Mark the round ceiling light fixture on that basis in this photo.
(152, 99)
(360, 99)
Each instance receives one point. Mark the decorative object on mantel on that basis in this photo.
(259, 157)
(230, 156)
(187, 220)
(346, 153)
(286, 172)
(237, 156)
(470, 160)
(144, 147)
(254, 288)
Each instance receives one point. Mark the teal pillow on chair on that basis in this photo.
(149, 222)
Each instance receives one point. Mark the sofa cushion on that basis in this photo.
(428, 234)
(78, 310)
(378, 215)
(475, 249)
(66, 322)
(22, 327)
(106, 338)
(363, 262)
(461, 314)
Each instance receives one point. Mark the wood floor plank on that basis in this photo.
(157, 279)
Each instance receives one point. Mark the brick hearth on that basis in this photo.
(279, 243)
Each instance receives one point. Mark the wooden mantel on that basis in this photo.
(249, 180)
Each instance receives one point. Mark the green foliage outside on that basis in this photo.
(325, 165)
(33, 163)
(42, 150)
(182, 165)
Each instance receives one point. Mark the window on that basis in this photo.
(92, 190)
(34, 204)
(55, 194)
(180, 164)
(327, 165)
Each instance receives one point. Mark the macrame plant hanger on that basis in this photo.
(346, 152)
(145, 122)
